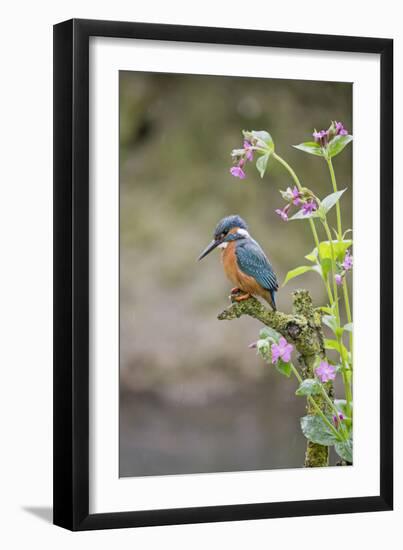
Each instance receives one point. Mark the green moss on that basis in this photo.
(304, 329)
(316, 455)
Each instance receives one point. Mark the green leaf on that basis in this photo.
(284, 368)
(318, 269)
(314, 428)
(330, 321)
(345, 449)
(261, 164)
(341, 406)
(337, 144)
(339, 247)
(310, 147)
(334, 344)
(326, 265)
(319, 213)
(328, 202)
(265, 137)
(313, 256)
(326, 309)
(296, 272)
(346, 368)
(309, 386)
(321, 269)
(269, 333)
(348, 327)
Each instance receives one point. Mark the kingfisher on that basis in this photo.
(244, 262)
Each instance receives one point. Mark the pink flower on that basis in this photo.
(321, 137)
(309, 207)
(325, 372)
(295, 195)
(237, 172)
(282, 350)
(338, 278)
(248, 150)
(337, 419)
(340, 130)
(282, 213)
(348, 261)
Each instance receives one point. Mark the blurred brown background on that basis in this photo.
(193, 397)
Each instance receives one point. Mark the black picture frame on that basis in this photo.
(71, 274)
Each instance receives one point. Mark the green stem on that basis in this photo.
(289, 169)
(311, 221)
(316, 406)
(349, 316)
(299, 187)
(346, 382)
(316, 239)
(335, 291)
(297, 374)
(340, 235)
(345, 377)
(329, 293)
(346, 299)
(332, 406)
(349, 396)
(327, 398)
(338, 211)
(333, 299)
(314, 233)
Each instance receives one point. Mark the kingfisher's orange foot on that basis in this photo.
(242, 297)
(235, 290)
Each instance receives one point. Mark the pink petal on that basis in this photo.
(275, 353)
(287, 353)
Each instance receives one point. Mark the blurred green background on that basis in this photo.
(193, 397)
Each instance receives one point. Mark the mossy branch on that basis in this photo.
(304, 329)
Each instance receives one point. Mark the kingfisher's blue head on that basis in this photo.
(228, 229)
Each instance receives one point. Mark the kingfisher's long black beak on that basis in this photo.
(214, 243)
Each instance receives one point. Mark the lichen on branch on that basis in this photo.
(303, 328)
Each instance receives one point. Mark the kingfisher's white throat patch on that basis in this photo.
(223, 245)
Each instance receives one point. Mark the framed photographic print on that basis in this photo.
(223, 303)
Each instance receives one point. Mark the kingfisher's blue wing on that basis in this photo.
(253, 261)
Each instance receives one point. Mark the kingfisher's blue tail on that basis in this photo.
(273, 304)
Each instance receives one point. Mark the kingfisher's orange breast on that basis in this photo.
(235, 275)
(230, 263)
